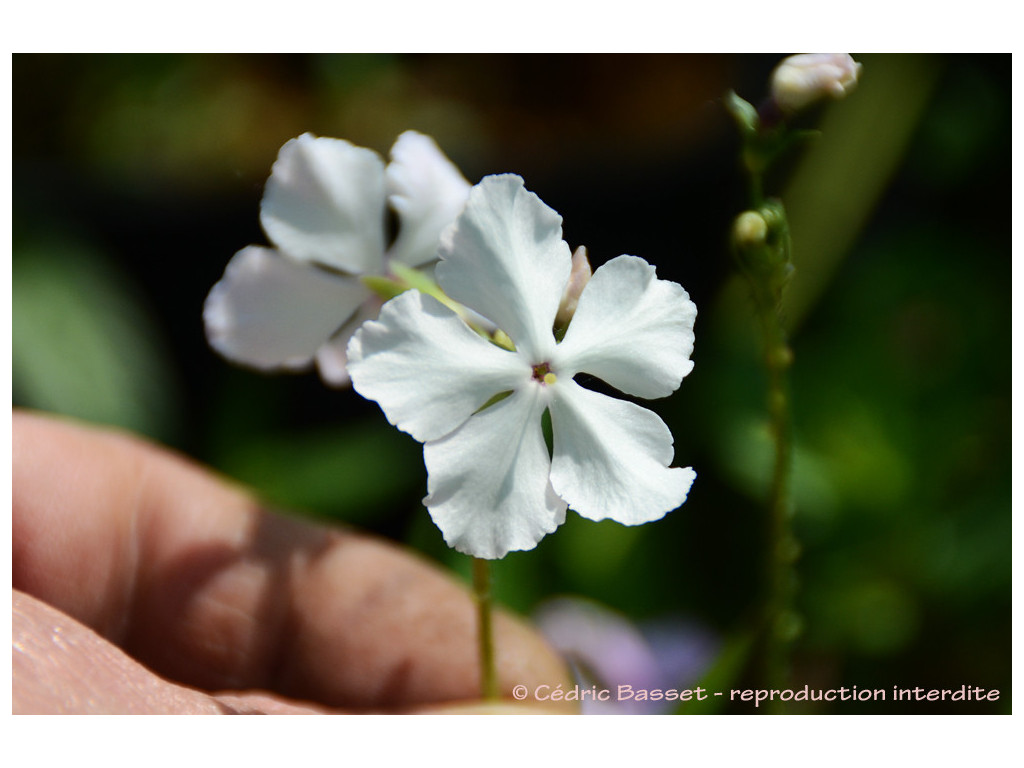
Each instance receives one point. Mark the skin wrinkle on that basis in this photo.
(231, 646)
(277, 618)
(385, 608)
(239, 591)
(226, 601)
(393, 678)
(129, 593)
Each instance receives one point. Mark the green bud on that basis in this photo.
(743, 113)
(774, 215)
(760, 244)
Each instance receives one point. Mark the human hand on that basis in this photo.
(145, 584)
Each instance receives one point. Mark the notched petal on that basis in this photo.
(489, 492)
(631, 330)
(505, 258)
(611, 458)
(427, 192)
(325, 203)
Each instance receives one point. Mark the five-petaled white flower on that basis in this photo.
(325, 209)
(493, 487)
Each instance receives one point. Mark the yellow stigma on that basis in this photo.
(543, 374)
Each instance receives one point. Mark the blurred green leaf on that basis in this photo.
(838, 183)
(747, 452)
(861, 608)
(354, 474)
(594, 553)
(84, 345)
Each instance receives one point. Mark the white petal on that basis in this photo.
(325, 202)
(488, 481)
(631, 329)
(611, 458)
(427, 192)
(270, 312)
(505, 258)
(332, 357)
(424, 366)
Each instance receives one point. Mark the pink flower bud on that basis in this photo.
(578, 279)
(801, 80)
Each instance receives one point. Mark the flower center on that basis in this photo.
(543, 374)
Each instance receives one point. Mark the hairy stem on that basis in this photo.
(780, 620)
(781, 624)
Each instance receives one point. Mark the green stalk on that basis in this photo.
(485, 632)
(762, 247)
(780, 620)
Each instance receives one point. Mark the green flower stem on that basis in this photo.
(755, 178)
(485, 632)
(762, 249)
(780, 621)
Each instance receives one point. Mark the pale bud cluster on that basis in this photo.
(801, 80)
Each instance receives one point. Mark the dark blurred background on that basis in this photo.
(136, 177)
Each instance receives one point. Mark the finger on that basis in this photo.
(191, 577)
(60, 666)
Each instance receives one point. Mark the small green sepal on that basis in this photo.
(744, 113)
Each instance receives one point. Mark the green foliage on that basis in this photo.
(83, 343)
(347, 473)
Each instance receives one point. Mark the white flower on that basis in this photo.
(800, 80)
(493, 487)
(325, 209)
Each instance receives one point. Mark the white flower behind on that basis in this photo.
(324, 209)
(493, 487)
